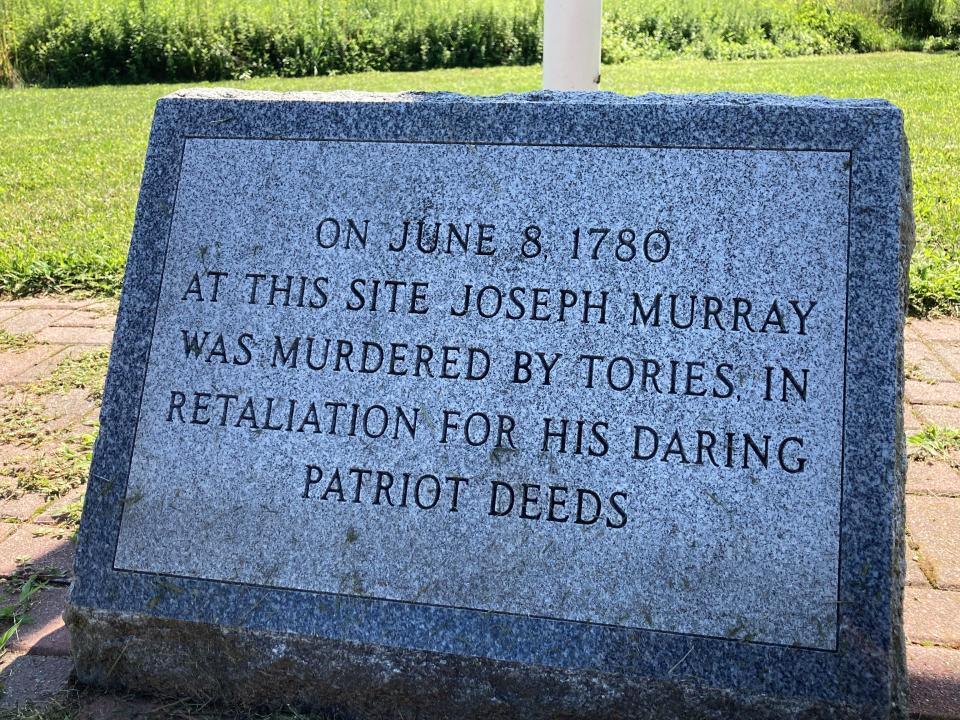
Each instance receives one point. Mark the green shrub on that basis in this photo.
(127, 45)
(918, 19)
(738, 31)
(926, 18)
(67, 42)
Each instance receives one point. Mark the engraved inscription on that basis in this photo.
(595, 384)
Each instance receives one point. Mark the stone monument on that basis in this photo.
(533, 406)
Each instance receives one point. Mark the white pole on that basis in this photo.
(571, 44)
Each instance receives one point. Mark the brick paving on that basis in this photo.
(934, 525)
(37, 664)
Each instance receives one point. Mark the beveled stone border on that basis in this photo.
(866, 671)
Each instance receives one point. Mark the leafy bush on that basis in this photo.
(68, 45)
(65, 42)
(918, 19)
(130, 46)
(732, 31)
(927, 18)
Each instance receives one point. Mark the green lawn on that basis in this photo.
(70, 159)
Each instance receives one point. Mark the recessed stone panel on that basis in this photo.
(548, 388)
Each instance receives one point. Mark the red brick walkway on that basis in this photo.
(37, 663)
(932, 595)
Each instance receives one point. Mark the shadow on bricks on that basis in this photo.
(37, 664)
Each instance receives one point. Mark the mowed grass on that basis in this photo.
(70, 159)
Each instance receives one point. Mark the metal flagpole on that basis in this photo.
(571, 44)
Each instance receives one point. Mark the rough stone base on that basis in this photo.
(251, 669)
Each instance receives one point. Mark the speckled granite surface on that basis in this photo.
(704, 587)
